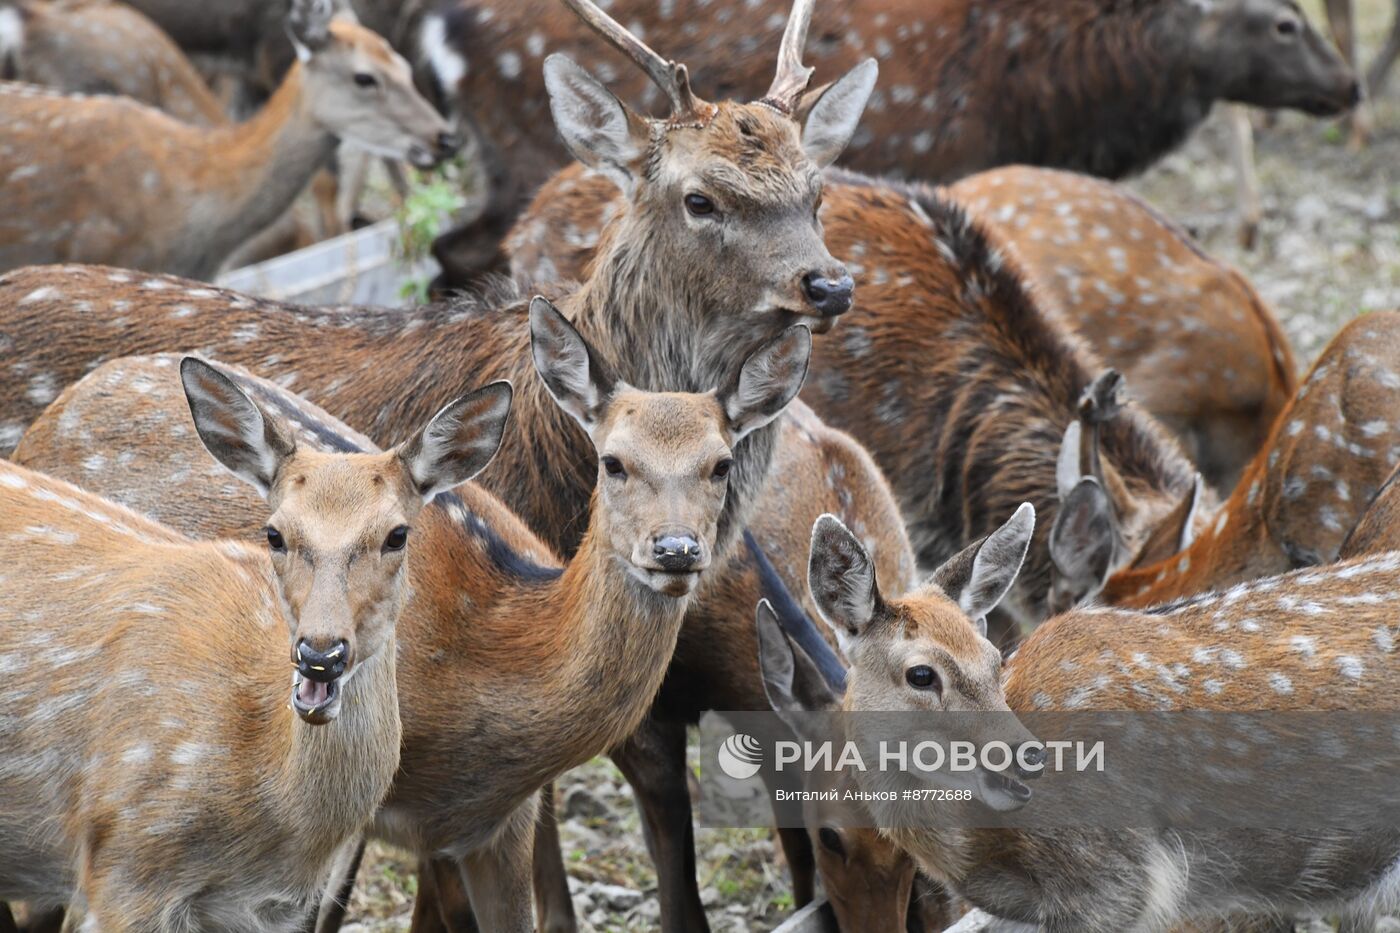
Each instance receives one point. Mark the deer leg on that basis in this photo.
(1380, 68)
(553, 904)
(802, 865)
(1341, 19)
(332, 913)
(1246, 177)
(442, 904)
(653, 761)
(499, 878)
(353, 176)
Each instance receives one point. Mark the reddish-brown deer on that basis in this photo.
(1128, 282)
(1116, 86)
(1314, 640)
(177, 198)
(149, 694)
(1378, 529)
(1329, 452)
(613, 613)
(102, 47)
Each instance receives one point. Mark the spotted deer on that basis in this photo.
(102, 47)
(614, 612)
(282, 656)
(1378, 529)
(177, 198)
(1312, 640)
(1200, 349)
(994, 96)
(1329, 452)
(721, 211)
(991, 404)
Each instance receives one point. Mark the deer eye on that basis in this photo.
(699, 205)
(831, 840)
(613, 466)
(1288, 27)
(365, 79)
(723, 467)
(922, 677)
(275, 540)
(396, 539)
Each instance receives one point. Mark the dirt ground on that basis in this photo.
(1329, 248)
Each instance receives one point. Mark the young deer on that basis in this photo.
(1378, 529)
(1200, 348)
(102, 47)
(995, 96)
(1314, 640)
(614, 612)
(177, 198)
(1329, 451)
(934, 278)
(111, 787)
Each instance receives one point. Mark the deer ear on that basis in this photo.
(459, 442)
(1176, 531)
(1082, 537)
(830, 115)
(790, 680)
(770, 379)
(841, 577)
(601, 131)
(981, 574)
(577, 380)
(250, 442)
(309, 25)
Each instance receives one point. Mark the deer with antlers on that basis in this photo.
(614, 612)
(178, 198)
(721, 211)
(1329, 452)
(1119, 86)
(110, 783)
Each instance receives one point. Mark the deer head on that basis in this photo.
(727, 186)
(926, 652)
(663, 457)
(339, 528)
(866, 878)
(361, 91)
(1266, 53)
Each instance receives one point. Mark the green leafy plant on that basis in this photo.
(434, 198)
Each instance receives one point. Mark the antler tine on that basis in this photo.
(670, 76)
(793, 76)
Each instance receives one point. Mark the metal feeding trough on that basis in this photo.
(362, 267)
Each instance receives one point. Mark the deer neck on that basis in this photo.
(255, 169)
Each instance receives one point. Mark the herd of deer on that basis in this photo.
(630, 517)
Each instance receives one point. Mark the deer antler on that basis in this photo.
(793, 76)
(670, 76)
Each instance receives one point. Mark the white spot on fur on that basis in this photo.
(40, 294)
(1280, 683)
(1350, 667)
(446, 62)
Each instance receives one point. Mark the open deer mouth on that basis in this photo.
(1002, 792)
(316, 702)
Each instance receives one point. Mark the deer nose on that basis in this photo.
(829, 297)
(448, 142)
(1030, 759)
(323, 666)
(676, 553)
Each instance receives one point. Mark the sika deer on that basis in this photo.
(1096, 86)
(613, 614)
(101, 47)
(918, 653)
(1328, 453)
(148, 692)
(176, 198)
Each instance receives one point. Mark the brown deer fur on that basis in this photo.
(102, 47)
(947, 369)
(1097, 86)
(1130, 283)
(1329, 452)
(1200, 348)
(1316, 639)
(1378, 529)
(147, 681)
(178, 198)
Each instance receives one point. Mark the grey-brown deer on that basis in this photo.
(177, 198)
(157, 686)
